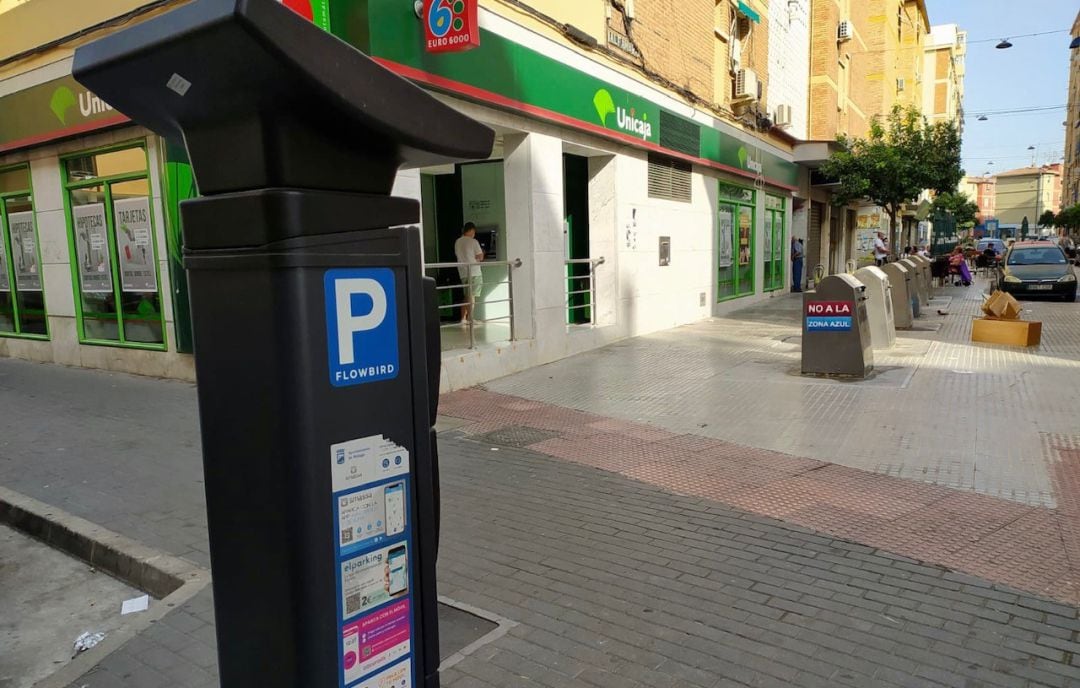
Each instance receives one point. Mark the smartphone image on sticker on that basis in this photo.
(397, 563)
(395, 508)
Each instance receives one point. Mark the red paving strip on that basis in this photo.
(1028, 548)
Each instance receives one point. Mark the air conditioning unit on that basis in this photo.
(900, 85)
(747, 85)
(783, 115)
(843, 31)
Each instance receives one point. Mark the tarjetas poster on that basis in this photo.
(133, 244)
(24, 254)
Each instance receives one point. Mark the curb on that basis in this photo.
(170, 580)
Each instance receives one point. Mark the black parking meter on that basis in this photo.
(315, 333)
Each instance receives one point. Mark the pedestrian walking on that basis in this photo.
(796, 264)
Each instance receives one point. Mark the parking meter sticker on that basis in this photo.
(361, 325)
(373, 578)
(397, 676)
(375, 641)
(356, 463)
(825, 324)
(369, 517)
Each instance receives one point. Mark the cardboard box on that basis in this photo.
(1008, 332)
(1002, 305)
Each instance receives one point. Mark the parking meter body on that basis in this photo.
(900, 284)
(919, 297)
(316, 346)
(879, 306)
(836, 331)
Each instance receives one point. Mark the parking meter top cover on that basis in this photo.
(263, 98)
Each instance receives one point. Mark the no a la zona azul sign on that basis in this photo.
(829, 316)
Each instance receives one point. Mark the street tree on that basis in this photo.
(1069, 219)
(902, 156)
(960, 206)
(1048, 219)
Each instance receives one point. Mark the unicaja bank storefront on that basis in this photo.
(607, 209)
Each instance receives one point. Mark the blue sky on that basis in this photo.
(1033, 73)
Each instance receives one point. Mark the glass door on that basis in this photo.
(735, 243)
(774, 253)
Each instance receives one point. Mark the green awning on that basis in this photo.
(745, 9)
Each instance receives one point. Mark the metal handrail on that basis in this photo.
(590, 289)
(510, 265)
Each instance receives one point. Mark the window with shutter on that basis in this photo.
(670, 179)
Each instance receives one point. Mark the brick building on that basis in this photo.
(865, 57)
(943, 74)
(1071, 181)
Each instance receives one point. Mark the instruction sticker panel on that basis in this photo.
(373, 562)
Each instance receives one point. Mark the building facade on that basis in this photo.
(640, 179)
(866, 56)
(1027, 193)
(1071, 175)
(981, 190)
(943, 74)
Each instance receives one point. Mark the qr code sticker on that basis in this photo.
(353, 603)
(346, 535)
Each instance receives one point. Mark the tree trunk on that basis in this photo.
(894, 231)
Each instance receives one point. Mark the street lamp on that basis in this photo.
(1075, 43)
(1003, 44)
(983, 118)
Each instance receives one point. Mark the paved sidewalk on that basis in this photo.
(613, 580)
(940, 409)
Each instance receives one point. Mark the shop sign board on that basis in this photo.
(52, 110)
(512, 76)
(829, 316)
(451, 25)
(374, 563)
(134, 244)
(24, 253)
(92, 248)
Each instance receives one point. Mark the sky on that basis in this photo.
(1032, 73)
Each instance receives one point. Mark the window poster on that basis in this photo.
(724, 238)
(92, 248)
(24, 254)
(134, 247)
(5, 286)
(746, 223)
(768, 236)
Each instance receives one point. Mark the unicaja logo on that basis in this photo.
(63, 99)
(626, 120)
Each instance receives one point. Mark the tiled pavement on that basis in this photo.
(939, 410)
(614, 581)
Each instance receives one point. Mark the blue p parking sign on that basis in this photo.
(361, 325)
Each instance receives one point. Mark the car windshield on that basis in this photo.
(1037, 256)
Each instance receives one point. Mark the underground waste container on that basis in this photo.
(836, 332)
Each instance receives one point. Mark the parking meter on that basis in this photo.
(315, 336)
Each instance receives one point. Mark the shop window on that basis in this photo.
(22, 299)
(114, 250)
(670, 179)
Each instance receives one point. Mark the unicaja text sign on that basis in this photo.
(361, 325)
(450, 25)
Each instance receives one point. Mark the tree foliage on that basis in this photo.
(902, 155)
(1048, 219)
(1069, 218)
(959, 205)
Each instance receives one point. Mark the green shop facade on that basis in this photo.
(689, 215)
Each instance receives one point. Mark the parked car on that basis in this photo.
(997, 244)
(1037, 268)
